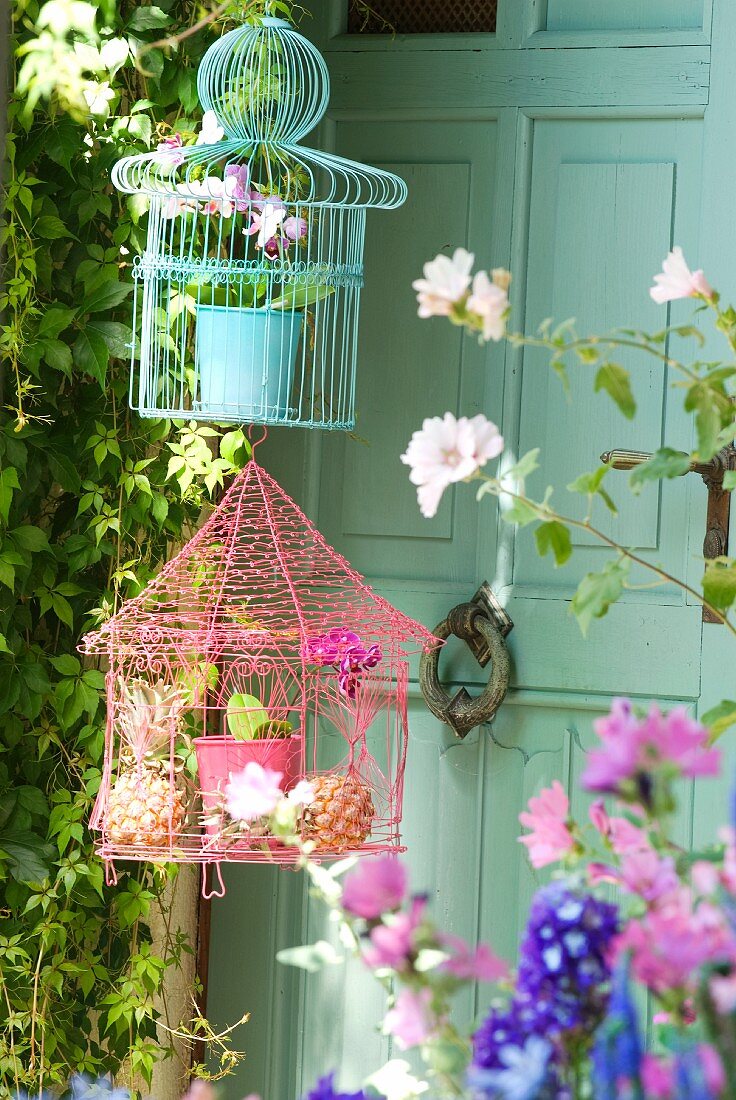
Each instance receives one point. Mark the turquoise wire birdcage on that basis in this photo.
(248, 292)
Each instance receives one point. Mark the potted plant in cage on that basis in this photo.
(253, 736)
(248, 323)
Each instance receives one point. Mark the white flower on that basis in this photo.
(302, 794)
(676, 280)
(270, 220)
(490, 302)
(210, 131)
(394, 1081)
(447, 450)
(114, 53)
(98, 97)
(444, 284)
(252, 793)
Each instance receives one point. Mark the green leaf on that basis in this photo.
(58, 355)
(518, 511)
(719, 583)
(616, 381)
(65, 472)
(104, 294)
(66, 664)
(55, 320)
(234, 448)
(148, 18)
(311, 957)
(525, 466)
(597, 591)
(299, 297)
(117, 337)
(31, 539)
(555, 537)
(28, 856)
(719, 719)
(91, 355)
(245, 713)
(8, 483)
(51, 228)
(664, 463)
(708, 424)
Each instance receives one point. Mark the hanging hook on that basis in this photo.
(213, 893)
(256, 442)
(111, 875)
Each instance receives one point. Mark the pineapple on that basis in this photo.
(143, 807)
(341, 814)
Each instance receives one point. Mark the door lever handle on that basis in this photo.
(629, 460)
(715, 543)
(483, 624)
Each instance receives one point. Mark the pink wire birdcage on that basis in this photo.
(258, 641)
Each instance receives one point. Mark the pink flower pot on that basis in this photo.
(219, 757)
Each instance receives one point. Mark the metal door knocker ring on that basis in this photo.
(484, 625)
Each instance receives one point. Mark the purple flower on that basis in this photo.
(343, 649)
(564, 953)
(325, 1090)
(83, 1087)
(376, 886)
(512, 1058)
(294, 228)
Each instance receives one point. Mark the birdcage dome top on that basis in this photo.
(256, 571)
(267, 87)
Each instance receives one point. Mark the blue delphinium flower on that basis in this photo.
(325, 1090)
(563, 955)
(523, 1072)
(690, 1082)
(512, 1058)
(617, 1051)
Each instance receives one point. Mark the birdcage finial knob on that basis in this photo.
(265, 84)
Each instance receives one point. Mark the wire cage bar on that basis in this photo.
(247, 295)
(257, 642)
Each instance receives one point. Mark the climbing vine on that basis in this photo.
(92, 500)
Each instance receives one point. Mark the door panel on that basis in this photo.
(624, 14)
(577, 168)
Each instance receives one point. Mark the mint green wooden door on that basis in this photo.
(575, 146)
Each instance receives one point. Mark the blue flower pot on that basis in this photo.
(245, 361)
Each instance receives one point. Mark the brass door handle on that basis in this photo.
(483, 624)
(715, 542)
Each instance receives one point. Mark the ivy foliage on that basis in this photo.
(92, 501)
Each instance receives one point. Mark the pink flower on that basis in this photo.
(447, 450)
(444, 284)
(376, 886)
(199, 1090)
(645, 873)
(490, 304)
(294, 228)
(479, 964)
(657, 1077)
(633, 747)
(713, 1071)
(670, 944)
(170, 149)
(411, 1020)
(676, 280)
(392, 944)
(547, 816)
(723, 991)
(252, 793)
(599, 817)
(704, 877)
(624, 837)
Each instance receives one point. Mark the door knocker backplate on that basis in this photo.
(483, 624)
